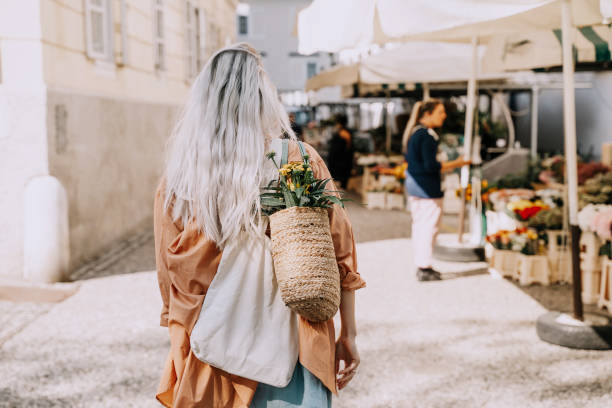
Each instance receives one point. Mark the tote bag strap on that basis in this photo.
(302, 150)
(284, 150)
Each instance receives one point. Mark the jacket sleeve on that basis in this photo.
(186, 265)
(165, 232)
(341, 230)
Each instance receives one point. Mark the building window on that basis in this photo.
(311, 69)
(98, 32)
(195, 36)
(200, 42)
(158, 35)
(243, 25)
(242, 11)
(124, 32)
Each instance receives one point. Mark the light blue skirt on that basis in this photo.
(304, 390)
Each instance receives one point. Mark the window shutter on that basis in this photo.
(158, 35)
(98, 25)
(190, 56)
(201, 48)
(124, 34)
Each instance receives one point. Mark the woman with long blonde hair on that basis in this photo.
(423, 181)
(209, 194)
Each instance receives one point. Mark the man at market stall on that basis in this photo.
(340, 156)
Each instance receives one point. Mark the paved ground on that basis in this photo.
(468, 341)
(462, 342)
(136, 252)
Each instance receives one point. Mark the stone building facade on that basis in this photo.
(89, 91)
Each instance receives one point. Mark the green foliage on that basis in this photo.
(606, 250)
(551, 219)
(520, 180)
(297, 187)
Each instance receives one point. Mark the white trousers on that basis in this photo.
(426, 214)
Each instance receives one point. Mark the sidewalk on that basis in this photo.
(462, 342)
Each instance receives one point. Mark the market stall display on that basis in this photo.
(383, 186)
(515, 216)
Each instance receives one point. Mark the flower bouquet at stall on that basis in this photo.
(508, 245)
(596, 190)
(500, 240)
(526, 241)
(524, 210)
(304, 258)
(485, 190)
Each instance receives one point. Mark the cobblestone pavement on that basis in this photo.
(461, 342)
(466, 342)
(136, 252)
(15, 316)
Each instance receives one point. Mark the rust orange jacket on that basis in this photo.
(186, 265)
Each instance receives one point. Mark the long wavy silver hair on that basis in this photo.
(216, 160)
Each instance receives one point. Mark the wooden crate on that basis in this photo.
(591, 285)
(533, 269)
(605, 294)
(504, 262)
(376, 199)
(395, 201)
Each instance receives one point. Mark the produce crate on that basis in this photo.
(589, 251)
(504, 262)
(591, 285)
(559, 256)
(376, 199)
(605, 294)
(590, 267)
(533, 269)
(395, 201)
(560, 271)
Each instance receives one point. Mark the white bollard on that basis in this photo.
(46, 244)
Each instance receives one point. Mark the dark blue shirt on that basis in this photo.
(423, 177)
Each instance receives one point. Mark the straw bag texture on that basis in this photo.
(305, 262)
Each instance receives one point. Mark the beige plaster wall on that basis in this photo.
(108, 155)
(115, 117)
(108, 150)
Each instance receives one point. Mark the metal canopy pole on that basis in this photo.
(535, 96)
(467, 135)
(571, 160)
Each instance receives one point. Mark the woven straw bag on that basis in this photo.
(305, 260)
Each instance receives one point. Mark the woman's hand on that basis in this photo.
(346, 350)
(453, 164)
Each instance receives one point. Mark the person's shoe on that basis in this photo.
(428, 274)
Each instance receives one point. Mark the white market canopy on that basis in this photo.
(335, 25)
(415, 62)
(543, 49)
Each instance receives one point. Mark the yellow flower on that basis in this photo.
(291, 186)
(485, 184)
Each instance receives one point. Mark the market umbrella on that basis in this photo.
(543, 48)
(340, 24)
(463, 20)
(410, 63)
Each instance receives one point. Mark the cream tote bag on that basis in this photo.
(244, 327)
